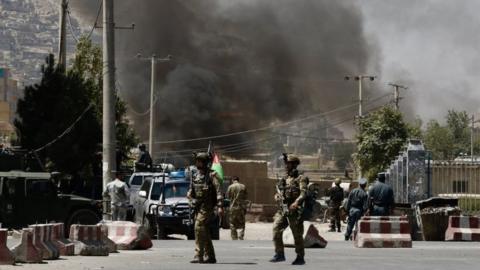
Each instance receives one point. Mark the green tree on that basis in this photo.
(382, 135)
(48, 109)
(439, 140)
(458, 123)
(88, 63)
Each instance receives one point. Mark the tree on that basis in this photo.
(52, 106)
(458, 124)
(382, 134)
(439, 140)
(48, 110)
(88, 63)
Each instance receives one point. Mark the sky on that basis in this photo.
(432, 46)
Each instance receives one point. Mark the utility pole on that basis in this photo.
(62, 32)
(396, 94)
(471, 137)
(360, 79)
(109, 139)
(153, 60)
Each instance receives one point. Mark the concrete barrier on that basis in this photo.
(463, 228)
(127, 235)
(25, 251)
(88, 240)
(65, 246)
(42, 240)
(383, 233)
(6, 256)
(112, 247)
(311, 237)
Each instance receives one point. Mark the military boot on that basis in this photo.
(299, 261)
(278, 257)
(209, 260)
(197, 259)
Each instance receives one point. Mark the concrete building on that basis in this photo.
(9, 95)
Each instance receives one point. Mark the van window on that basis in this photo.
(137, 180)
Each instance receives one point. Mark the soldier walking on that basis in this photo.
(292, 194)
(336, 199)
(237, 193)
(119, 195)
(357, 206)
(381, 197)
(206, 195)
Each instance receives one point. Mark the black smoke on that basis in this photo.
(238, 64)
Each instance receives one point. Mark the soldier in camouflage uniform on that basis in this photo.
(206, 193)
(294, 193)
(237, 193)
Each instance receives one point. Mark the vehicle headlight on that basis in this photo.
(165, 210)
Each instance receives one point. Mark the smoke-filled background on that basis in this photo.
(242, 64)
(237, 65)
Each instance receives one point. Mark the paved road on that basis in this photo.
(175, 254)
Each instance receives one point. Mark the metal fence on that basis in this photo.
(408, 174)
(458, 179)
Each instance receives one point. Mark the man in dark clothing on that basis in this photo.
(357, 205)
(144, 162)
(381, 198)
(336, 199)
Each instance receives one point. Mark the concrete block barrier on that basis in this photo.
(65, 246)
(88, 240)
(25, 251)
(383, 233)
(42, 240)
(127, 235)
(6, 256)
(311, 237)
(463, 228)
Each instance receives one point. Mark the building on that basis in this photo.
(9, 95)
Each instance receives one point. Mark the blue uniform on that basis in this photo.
(381, 196)
(357, 205)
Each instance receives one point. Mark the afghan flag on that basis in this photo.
(217, 167)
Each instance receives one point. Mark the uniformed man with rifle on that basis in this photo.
(291, 194)
(205, 193)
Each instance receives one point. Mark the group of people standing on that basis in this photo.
(377, 201)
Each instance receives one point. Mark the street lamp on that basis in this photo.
(153, 60)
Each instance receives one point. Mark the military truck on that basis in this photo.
(32, 197)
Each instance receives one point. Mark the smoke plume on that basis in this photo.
(238, 64)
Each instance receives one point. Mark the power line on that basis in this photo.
(267, 127)
(96, 19)
(257, 129)
(68, 130)
(71, 26)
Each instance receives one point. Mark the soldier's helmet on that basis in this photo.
(291, 158)
(203, 156)
(338, 181)
(142, 146)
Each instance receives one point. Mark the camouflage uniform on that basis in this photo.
(205, 194)
(294, 192)
(237, 193)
